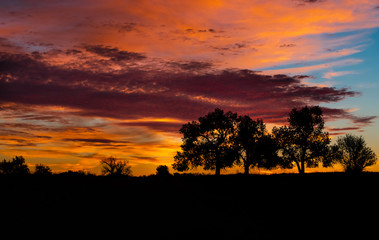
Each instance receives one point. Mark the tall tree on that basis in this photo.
(354, 154)
(303, 142)
(257, 147)
(208, 142)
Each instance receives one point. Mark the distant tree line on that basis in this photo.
(220, 140)
(111, 166)
(17, 167)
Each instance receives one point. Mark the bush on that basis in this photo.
(162, 171)
(16, 166)
(42, 170)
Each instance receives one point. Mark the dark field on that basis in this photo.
(327, 205)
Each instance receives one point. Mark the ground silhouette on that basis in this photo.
(192, 207)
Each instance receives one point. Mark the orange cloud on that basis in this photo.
(78, 143)
(233, 33)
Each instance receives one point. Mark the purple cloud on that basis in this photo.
(138, 92)
(114, 53)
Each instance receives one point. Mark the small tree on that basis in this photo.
(208, 142)
(162, 171)
(42, 170)
(16, 166)
(353, 153)
(114, 167)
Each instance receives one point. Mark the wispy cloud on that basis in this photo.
(330, 75)
(314, 68)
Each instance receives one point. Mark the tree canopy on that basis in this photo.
(220, 140)
(16, 166)
(257, 147)
(303, 142)
(208, 142)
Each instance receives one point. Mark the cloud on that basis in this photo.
(364, 121)
(333, 114)
(191, 30)
(114, 53)
(93, 140)
(314, 68)
(192, 65)
(285, 45)
(344, 129)
(334, 131)
(172, 127)
(124, 27)
(136, 93)
(143, 159)
(330, 75)
(312, 1)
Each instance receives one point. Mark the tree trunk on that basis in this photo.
(217, 170)
(302, 168)
(302, 161)
(298, 166)
(246, 166)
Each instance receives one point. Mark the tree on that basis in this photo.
(257, 147)
(114, 167)
(303, 142)
(353, 153)
(16, 166)
(208, 142)
(42, 170)
(162, 171)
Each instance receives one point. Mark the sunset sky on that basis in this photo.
(81, 80)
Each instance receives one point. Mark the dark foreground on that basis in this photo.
(331, 205)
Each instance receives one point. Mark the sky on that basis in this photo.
(82, 80)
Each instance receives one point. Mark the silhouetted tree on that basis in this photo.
(114, 167)
(303, 142)
(257, 147)
(16, 166)
(208, 142)
(353, 153)
(42, 170)
(162, 171)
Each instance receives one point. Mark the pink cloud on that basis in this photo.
(330, 75)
